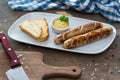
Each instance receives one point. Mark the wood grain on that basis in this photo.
(35, 68)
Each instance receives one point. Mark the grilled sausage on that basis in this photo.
(89, 37)
(77, 31)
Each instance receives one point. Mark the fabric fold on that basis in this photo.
(108, 8)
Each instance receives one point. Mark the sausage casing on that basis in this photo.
(87, 37)
(77, 31)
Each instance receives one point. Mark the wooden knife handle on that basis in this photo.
(9, 51)
(66, 72)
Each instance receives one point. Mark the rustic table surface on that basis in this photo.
(103, 66)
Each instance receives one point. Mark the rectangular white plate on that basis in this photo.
(15, 33)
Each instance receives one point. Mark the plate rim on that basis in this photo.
(30, 13)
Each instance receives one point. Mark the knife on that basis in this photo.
(16, 72)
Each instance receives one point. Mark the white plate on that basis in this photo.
(15, 33)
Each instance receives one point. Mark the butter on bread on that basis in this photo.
(45, 29)
(32, 28)
(38, 29)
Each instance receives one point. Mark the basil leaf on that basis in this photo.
(64, 18)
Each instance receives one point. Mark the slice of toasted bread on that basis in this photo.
(45, 29)
(32, 28)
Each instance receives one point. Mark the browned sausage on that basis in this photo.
(77, 31)
(89, 37)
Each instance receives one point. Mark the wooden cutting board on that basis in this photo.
(35, 68)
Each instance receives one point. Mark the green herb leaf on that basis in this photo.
(64, 18)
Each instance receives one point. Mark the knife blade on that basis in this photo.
(16, 72)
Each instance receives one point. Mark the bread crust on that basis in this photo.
(77, 31)
(45, 30)
(25, 27)
(42, 25)
(86, 38)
